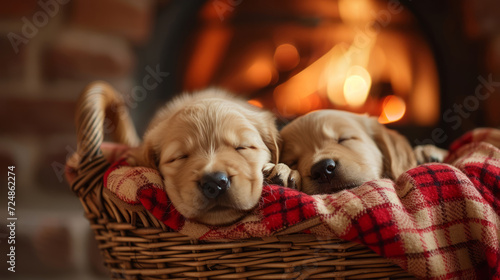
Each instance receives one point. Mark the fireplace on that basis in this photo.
(357, 55)
(407, 64)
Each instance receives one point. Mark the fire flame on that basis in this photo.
(340, 74)
(260, 73)
(394, 108)
(286, 57)
(255, 103)
(357, 86)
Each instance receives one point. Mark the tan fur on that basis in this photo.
(199, 133)
(367, 150)
(429, 153)
(397, 153)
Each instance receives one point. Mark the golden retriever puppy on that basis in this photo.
(334, 150)
(210, 148)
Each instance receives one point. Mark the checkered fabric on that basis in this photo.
(437, 221)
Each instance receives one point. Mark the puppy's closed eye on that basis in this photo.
(344, 139)
(177, 158)
(240, 148)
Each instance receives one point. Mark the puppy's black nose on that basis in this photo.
(214, 184)
(323, 171)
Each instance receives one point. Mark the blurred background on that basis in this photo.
(429, 69)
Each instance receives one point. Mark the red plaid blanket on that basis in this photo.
(437, 221)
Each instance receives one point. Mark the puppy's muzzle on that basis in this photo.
(214, 184)
(323, 171)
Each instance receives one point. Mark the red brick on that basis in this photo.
(12, 56)
(95, 258)
(84, 54)
(45, 251)
(52, 242)
(49, 176)
(6, 159)
(128, 18)
(16, 9)
(36, 117)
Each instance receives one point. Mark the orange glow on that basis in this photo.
(286, 57)
(335, 73)
(288, 107)
(329, 74)
(356, 12)
(212, 44)
(355, 90)
(357, 86)
(255, 103)
(309, 103)
(394, 109)
(424, 100)
(305, 82)
(260, 73)
(296, 105)
(315, 102)
(289, 95)
(399, 69)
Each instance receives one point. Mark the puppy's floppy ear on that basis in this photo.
(144, 155)
(269, 133)
(397, 153)
(271, 138)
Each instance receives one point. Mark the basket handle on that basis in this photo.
(97, 103)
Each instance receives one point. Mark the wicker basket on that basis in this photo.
(135, 245)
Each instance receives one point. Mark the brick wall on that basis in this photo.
(49, 50)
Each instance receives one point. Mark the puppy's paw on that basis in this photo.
(429, 153)
(281, 174)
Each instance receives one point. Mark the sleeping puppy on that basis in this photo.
(334, 150)
(210, 149)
